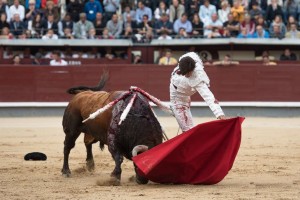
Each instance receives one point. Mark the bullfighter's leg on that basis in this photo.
(69, 143)
(88, 141)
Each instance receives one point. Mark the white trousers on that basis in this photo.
(183, 116)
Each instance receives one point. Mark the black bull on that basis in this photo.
(141, 127)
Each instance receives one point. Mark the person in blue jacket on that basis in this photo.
(91, 8)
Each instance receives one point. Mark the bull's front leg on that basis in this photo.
(117, 156)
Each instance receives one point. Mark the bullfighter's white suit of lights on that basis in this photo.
(182, 88)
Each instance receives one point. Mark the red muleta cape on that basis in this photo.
(202, 155)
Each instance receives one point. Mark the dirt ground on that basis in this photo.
(267, 165)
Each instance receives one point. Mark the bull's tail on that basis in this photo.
(99, 87)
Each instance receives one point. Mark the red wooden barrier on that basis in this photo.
(232, 83)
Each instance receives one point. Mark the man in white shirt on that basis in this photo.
(206, 10)
(212, 24)
(57, 61)
(16, 8)
(50, 35)
(188, 78)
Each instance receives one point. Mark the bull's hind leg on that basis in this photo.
(88, 141)
(69, 143)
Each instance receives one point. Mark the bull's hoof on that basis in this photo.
(141, 180)
(66, 173)
(90, 165)
(114, 181)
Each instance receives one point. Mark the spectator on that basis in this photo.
(262, 5)
(162, 9)
(212, 27)
(82, 27)
(264, 53)
(273, 10)
(293, 33)
(224, 11)
(238, 11)
(231, 26)
(226, 61)
(91, 8)
(92, 34)
(267, 62)
(57, 60)
(244, 34)
(279, 2)
(44, 3)
(109, 53)
(137, 59)
(74, 8)
(37, 4)
(110, 7)
(16, 60)
(245, 4)
(261, 21)
(182, 34)
(31, 12)
(260, 32)
(130, 12)
(16, 8)
(35, 26)
(164, 35)
(50, 35)
(206, 11)
(94, 53)
(65, 23)
(68, 34)
(291, 20)
(290, 8)
(141, 11)
(183, 22)
(130, 27)
(105, 34)
(145, 29)
(3, 21)
(176, 11)
(192, 7)
(255, 11)
(288, 55)
(99, 23)
(277, 32)
(5, 33)
(17, 27)
(37, 59)
(152, 4)
(51, 9)
(5, 10)
(49, 24)
(167, 59)
(197, 26)
(248, 24)
(278, 22)
(163, 24)
(115, 27)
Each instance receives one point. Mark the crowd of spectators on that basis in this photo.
(148, 19)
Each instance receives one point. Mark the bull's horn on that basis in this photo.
(139, 149)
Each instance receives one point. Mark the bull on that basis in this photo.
(139, 132)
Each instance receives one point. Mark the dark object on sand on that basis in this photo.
(35, 156)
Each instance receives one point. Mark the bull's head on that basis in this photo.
(137, 150)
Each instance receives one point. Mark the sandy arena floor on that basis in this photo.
(267, 165)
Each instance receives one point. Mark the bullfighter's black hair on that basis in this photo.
(186, 65)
